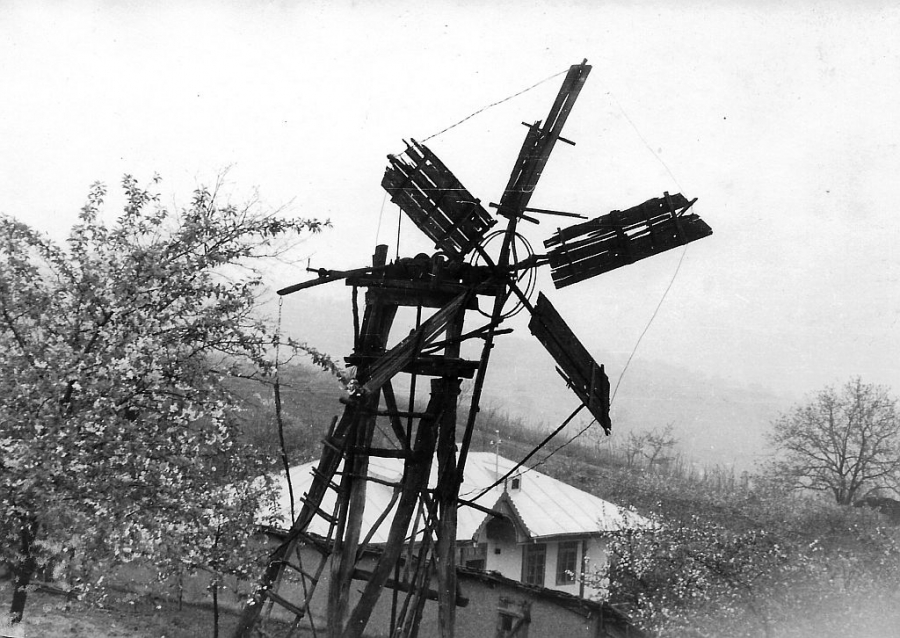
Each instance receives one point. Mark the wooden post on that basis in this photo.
(415, 481)
(377, 321)
(449, 479)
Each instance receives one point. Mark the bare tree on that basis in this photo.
(653, 445)
(659, 442)
(633, 447)
(840, 442)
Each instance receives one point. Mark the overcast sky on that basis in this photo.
(782, 118)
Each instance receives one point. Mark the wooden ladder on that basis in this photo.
(286, 565)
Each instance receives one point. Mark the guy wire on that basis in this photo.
(380, 215)
(278, 419)
(468, 117)
(485, 108)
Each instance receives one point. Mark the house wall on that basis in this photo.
(487, 601)
(488, 597)
(596, 557)
(508, 562)
(550, 573)
(504, 557)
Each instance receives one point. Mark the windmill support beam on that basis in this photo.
(415, 478)
(376, 327)
(447, 493)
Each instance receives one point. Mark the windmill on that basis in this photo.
(417, 562)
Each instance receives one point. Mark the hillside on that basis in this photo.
(716, 422)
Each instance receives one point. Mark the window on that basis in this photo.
(517, 482)
(534, 559)
(567, 563)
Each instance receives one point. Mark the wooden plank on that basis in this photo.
(635, 216)
(312, 578)
(376, 325)
(539, 144)
(404, 352)
(641, 244)
(390, 583)
(453, 199)
(510, 203)
(428, 365)
(423, 207)
(318, 511)
(400, 182)
(612, 224)
(408, 195)
(428, 192)
(394, 415)
(299, 612)
(587, 379)
(559, 112)
(589, 260)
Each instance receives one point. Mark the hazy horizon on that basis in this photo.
(781, 119)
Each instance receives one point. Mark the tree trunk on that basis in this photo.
(23, 571)
(215, 596)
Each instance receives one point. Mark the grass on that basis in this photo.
(48, 615)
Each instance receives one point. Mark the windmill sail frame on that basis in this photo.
(435, 200)
(620, 238)
(586, 379)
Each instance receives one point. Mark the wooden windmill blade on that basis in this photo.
(539, 143)
(435, 200)
(587, 379)
(620, 238)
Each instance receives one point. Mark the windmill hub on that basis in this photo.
(438, 269)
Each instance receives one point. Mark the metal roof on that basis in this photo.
(544, 506)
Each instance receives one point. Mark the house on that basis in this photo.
(517, 575)
(490, 604)
(549, 535)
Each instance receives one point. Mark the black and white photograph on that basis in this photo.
(460, 319)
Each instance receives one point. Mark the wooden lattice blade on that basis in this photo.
(587, 379)
(620, 238)
(438, 204)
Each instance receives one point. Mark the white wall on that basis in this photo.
(509, 562)
(597, 558)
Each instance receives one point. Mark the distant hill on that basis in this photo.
(715, 421)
